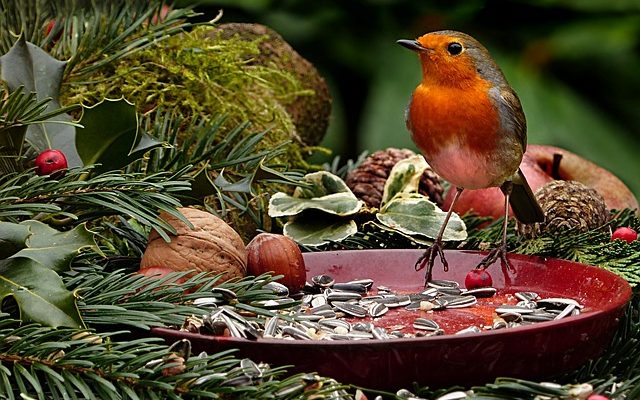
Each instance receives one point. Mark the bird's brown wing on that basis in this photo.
(512, 120)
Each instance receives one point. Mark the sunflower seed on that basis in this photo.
(499, 323)
(225, 294)
(271, 327)
(556, 303)
(457, 395)
(450, 291)
(250, 369)
(395, 301)
(323, 281)
(459, 301)
(527, 296)
(481, 292)
(350, 287)
(377, 310)
(471, 329)
(295, 333)
(425, 324)
(367, 283)
(350, 308)
(566, 312)
(379, 333)
(362, 327)
(207, 302)
(277, 288)
(332, 323)
(505, 308)
(339, 295)
(443, 284)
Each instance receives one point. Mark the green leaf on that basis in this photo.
(27, 65)
(324, 191)
(319, 231)
(53, 249)
(13, 238)
(39, 292)
(414, 238)
(269, 174)
(404, 177)
(343, 204)
(110, 136)
(241, 186)
(320, 184)
(414, 214)
(201, 183)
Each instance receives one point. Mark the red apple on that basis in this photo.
(539, 167)
(51, 162)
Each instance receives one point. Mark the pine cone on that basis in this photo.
(368, 179)
(567, 205)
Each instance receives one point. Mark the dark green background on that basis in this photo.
(574, 63)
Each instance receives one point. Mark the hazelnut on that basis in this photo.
(269, 252)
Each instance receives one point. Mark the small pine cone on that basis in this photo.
(567, 205)
(368, 179)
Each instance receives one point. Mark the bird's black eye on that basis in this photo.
(454, 48)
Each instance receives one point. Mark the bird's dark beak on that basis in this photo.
(412, 45)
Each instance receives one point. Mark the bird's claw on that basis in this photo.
(499, 252)
(427, 259)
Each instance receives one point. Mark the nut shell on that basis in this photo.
(211, 246)
(269, 252)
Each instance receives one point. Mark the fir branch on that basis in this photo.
(593, 247)
(77, 198)
(91, 35)
(229, 173)
(18, 110)
(124, 299)
(66, 363)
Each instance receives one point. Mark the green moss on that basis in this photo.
(202, 73)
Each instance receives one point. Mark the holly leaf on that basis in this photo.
(323, 191)
(27, 65)
(110, 136)
(13, 238)
(414, 214)
(39, 292)
(404, 177)
(319, 231)
(53, 249)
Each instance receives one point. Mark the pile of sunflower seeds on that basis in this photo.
(322, 311)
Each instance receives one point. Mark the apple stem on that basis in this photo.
(555, 166)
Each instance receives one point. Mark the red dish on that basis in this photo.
(536, 352)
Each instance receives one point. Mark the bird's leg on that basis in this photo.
(501, 250)
(429, 256)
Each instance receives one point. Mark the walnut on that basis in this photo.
(211, 246)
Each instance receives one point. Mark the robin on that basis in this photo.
(469, 125)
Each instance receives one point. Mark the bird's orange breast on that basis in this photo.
(458, 131)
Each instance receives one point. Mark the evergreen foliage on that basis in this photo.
(115, 358)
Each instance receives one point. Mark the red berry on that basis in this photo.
(597, 397)
(625, 233)
(477, 278)
(51, 162)
(50, 25)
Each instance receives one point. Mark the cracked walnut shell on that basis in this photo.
(211, 246)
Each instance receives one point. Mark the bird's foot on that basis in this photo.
(427, 259)
(499, 252)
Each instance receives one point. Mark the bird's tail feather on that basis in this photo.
(523, 203)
